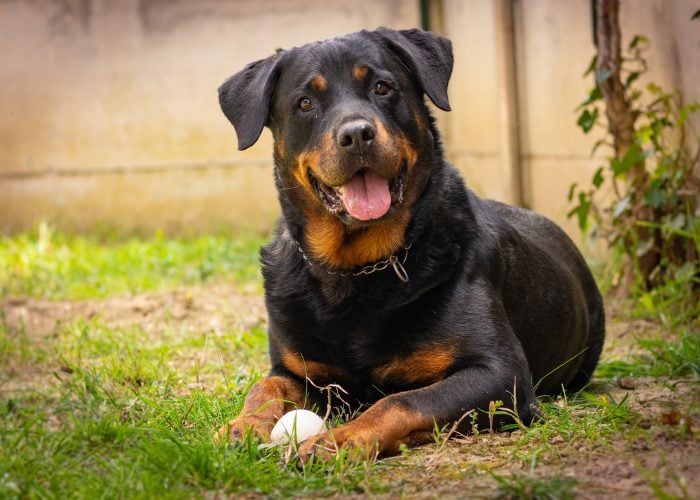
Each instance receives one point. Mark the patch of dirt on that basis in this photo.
(204, 310)
(664, 458)
(626, 467)
(658, 456)
(207, 309)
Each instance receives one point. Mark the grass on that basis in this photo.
(528, 487)
(660, 357)
(45, 263)
(98, 409)
(98, 437)
(673, 350)
(111, 412)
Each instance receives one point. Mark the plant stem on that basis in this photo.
(621, 122)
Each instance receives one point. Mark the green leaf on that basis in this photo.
(597, 144)
(572, 190)
(654, 89)
(595, 94)
(686, 273)
(591, 66)
(632, 157)
(598, 178)
(638, 39)
(685, 111)
(631, 78)
(655, 198)
(644, 134)
(582, 210)
(587, 119)
(647, 301)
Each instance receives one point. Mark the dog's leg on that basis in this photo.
(266, 402)
(410, 417)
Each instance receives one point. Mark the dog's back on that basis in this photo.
(547, 252)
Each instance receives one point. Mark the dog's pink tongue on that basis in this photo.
(366, 196)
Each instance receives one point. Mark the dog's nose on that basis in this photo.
(356, 136)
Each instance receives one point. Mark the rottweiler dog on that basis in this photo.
(388, 277)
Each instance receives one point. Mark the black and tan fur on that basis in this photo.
(498, 299)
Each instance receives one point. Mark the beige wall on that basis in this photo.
(472, 130)
(108, 109)
(553, 46)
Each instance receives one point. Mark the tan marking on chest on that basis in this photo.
(332, 243)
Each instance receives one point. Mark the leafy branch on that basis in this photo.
(645, 200)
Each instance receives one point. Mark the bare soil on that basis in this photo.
(206, 311)
(664, 460)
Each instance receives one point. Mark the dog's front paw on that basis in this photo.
(322, 446)
(328, 445)
(237, 429)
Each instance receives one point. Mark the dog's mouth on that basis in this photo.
(365, 197)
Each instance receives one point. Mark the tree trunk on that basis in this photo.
(621, 119)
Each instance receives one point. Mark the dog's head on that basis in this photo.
(353, 137)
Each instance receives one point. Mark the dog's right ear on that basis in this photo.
(245, 98)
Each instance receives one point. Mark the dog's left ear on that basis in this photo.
(245, 98)
(428, 56)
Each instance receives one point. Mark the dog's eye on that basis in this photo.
(381, 88)
(305, 104)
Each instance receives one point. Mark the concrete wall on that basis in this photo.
(555, 49)
(109, 115)
(109, 111)
(553, 46)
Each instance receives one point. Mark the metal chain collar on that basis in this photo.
(393, 261)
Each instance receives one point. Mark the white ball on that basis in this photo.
(296, 424)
